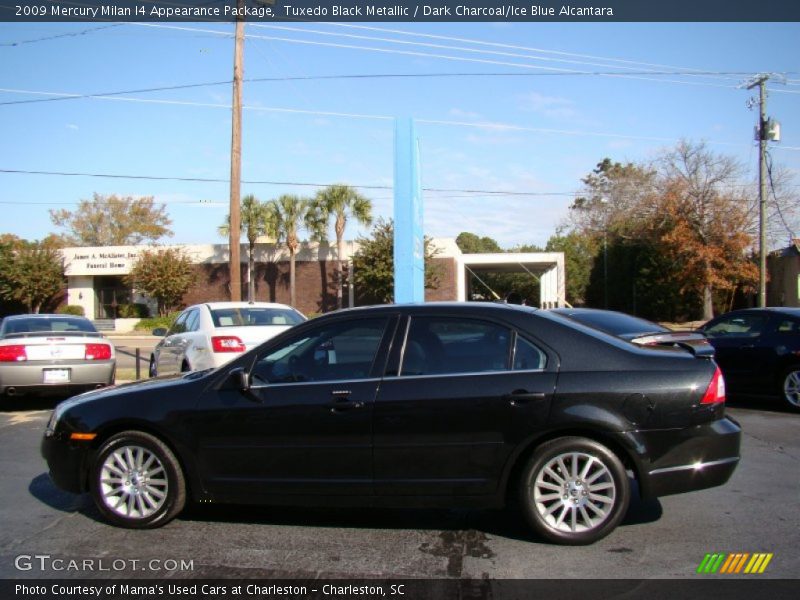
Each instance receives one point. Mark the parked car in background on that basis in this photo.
(636, 330)
(437, 404)
(209, 335)
(53, 354)
(758, 350)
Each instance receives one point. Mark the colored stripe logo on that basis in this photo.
(735, 563)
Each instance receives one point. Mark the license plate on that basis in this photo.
(56, 376)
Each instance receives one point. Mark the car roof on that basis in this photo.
(786, 310)
(44, 316)
(215, 305)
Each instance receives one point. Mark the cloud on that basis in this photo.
(458, 113)
(72, 126)
(553, 107)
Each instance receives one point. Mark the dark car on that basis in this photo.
(636, 330)
(429, 405)
(758, 350)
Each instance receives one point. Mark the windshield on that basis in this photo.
(255, 316)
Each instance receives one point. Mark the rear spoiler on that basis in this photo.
(39, 334)
(699, 348)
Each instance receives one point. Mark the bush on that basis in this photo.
(133, 311)
(154, 322)
(71, 309)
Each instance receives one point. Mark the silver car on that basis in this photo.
(209, 335)
(53, 354)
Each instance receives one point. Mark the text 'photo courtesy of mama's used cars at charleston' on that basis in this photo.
(429, 405)
(209, 335)
(53, 354)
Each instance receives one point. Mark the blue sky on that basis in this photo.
(536, 133)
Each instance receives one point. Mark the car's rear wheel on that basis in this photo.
(791, 387)
(574, 491)
(137, 482)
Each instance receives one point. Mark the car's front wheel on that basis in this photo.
(153, 370)
(791, 387)
(137, 482)
(574, 491)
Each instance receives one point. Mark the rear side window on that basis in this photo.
(789, 326)
(440, 345)
(527, 357)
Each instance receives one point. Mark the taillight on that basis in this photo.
(14, 353)
(715, 392)
(97, 352)
(227, 343)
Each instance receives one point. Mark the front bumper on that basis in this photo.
(66, 462)
(688, 459)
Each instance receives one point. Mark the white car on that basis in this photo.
(209, 335)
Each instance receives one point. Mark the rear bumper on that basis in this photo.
(29, 378)
(689, 459)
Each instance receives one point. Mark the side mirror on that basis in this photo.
(160, 331)
(239, 379)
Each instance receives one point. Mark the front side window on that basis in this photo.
(746, 325)
(441, 345)
(179, 326)
(333, 352)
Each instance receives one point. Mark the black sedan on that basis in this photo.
(758, 350)
(473, 405)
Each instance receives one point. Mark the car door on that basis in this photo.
(460, 396)
(167, 355)
(742, 348)
(305, 425)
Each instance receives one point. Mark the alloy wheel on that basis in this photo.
(133, 482)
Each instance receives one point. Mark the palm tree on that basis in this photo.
(343, 202)
(290, 214)
(255, 222)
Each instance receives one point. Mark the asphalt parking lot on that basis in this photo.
(757, 511)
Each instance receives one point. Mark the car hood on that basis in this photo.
(145, 385)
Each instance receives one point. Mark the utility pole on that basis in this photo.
(761, 82)
(235, 267)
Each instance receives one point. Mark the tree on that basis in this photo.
(706, 217)
(290, 214)
(373, 264)
(256, 221)
(343, 202)
(30, 272)
(165, 274)
(113, 221)
(469, 243)
(579, 251)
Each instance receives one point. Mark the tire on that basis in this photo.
(137, 482)
(790, 387)
(574, 491)
(185, 368)
(153, 370)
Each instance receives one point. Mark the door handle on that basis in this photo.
(522, 397)
(341, 401)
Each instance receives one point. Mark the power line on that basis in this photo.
(435, 190)
(61, 35)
